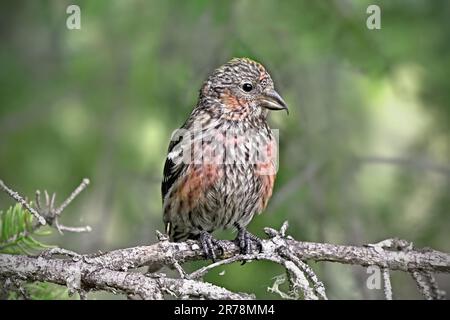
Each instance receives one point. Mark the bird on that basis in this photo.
(221, 163)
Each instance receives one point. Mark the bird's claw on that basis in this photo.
(245, 240)
(209, 245)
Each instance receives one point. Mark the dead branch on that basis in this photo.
(115, 271)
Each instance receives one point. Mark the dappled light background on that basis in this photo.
(364, 153)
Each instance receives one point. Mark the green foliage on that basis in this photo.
(17, 236)
(41, 291)
(18, 231)
(47, 291)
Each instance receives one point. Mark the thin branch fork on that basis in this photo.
(47, 213)
(165, 252)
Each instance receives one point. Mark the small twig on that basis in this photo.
(161, 236)
(204, 270)
(47, 200)
(60, 251)
(180, 270)
(422, 284)
(16, 196)
(52, 200)
(298, 280)
(83, 294)
(300, 274)
(73, 229)
(437, 293)
(51, 214)
(72, 196)
(387, 284)
(279, 280)
(308, 271)
(427, 285)
(45, 215)
(38, 200)
(392, 244)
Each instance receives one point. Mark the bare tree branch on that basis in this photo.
(110, 270)
(45, 213)
(16, 196)
(163, 252)
(72, 196)
(115, 271)
(78, 274)
(427, 285)
(387, 284)
(52, 214)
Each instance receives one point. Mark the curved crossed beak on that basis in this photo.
(272, 100)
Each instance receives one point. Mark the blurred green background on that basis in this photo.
(364, 153)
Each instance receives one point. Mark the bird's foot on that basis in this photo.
(245, 240)
(209, 245)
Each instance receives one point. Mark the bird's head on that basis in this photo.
(240, 89)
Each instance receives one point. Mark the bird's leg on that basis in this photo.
(244, 240)
(209, 244)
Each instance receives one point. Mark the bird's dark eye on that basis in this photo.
(247, 87)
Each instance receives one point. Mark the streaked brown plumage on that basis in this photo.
(221, 163)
